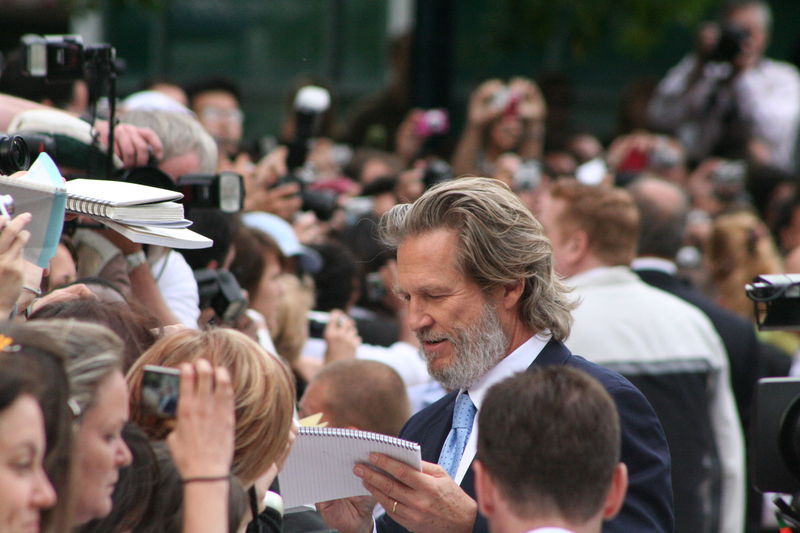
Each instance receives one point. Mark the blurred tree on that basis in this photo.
(79, 6)
(637, 25)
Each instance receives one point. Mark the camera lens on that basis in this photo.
(14, 155)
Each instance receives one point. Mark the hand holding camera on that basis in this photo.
(341, 337)
(484, 103)
(530, 101)
(202, 441)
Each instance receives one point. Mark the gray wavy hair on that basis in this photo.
(501, 244)
(91, 351)
(179, 134)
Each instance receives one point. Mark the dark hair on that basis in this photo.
(134, 493)
(13, 384)
(550, 440)
(249, 264)
(213, 83)
(166, 513)
(100, 282)
(368, 395)
(217, 226)
(661, 226)
(135, 329)
(45, 368)
(335, 282)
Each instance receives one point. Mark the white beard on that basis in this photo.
(477, 349)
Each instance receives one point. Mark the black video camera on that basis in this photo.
(220, 291)
(64, 57)
(730, 43)
(776, 299)
(223, 191)
(775, 422)
(14, 154)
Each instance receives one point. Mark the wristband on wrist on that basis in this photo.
(205, 479)
(135, 260)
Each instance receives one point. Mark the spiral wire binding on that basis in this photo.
(359, 435)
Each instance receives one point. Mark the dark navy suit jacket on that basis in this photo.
(648, 504)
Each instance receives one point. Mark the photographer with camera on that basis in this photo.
(501, 118)
(727, 99)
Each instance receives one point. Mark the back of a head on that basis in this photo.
(559, 462)
(335, 282)
(179, 134)
(135, 329)
(366, 395)
(608, 216)
(501, 243)
(263, 392)
(663, 211)
(739, 249)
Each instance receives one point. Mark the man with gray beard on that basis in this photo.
(476, 272)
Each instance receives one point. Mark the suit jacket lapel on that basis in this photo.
(553, 353)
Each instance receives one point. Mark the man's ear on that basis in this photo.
(616, 492)
(512, 294)
(577, 246)
(485, 491)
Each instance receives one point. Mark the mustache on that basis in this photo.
(429, 336)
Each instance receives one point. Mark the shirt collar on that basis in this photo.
(517, 361)
(655, 263)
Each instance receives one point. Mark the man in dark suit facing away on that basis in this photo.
(477, 274)
(664, 210)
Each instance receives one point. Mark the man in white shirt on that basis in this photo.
(576, 427)
(476, 272)
(737, 106)
(664, 345)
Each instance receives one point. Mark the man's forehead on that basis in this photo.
(750, 16)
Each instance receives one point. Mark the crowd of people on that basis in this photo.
(367, 274)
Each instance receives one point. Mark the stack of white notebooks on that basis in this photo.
(146, 215)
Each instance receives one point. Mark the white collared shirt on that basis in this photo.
(517, 361)
(654, 263)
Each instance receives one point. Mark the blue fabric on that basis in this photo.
(453, 449)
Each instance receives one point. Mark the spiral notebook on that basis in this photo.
(124, 202)
(320, 465)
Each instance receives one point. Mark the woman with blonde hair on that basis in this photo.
(263, 394)
(740, 248)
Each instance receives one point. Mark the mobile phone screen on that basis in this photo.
(160, 390)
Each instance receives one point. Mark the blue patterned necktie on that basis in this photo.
(453, 449)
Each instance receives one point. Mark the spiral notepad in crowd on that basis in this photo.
(124, 202)
(143, 214)
(320, 465)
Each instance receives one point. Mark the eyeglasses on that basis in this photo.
(215, 114)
